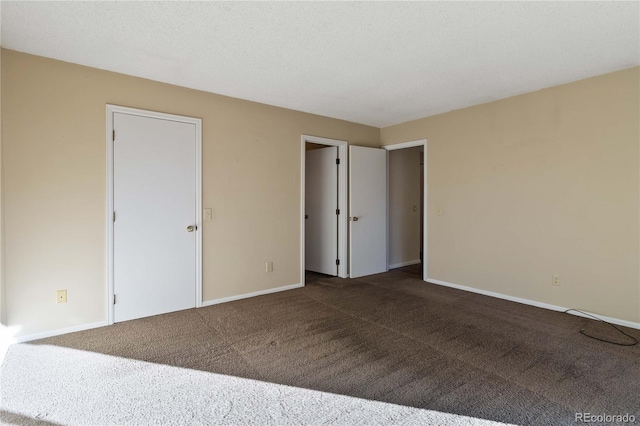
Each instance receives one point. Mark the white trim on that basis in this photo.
(110, 110)
(403, 145)
(323, 141)
(198, 124)
(425, 245)
(401, 264)
(388, 208)
(537, 304)
(253, 294)
(342, 201)
(58, 332)
(109, 214)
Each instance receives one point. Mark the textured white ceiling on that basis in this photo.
(377, 63)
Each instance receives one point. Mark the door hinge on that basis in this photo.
(114, 299)
(337, 161)
(337, 211)
(114, 216)
(337, 261)
(113, 135)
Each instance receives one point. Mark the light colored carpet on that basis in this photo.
(44, 384)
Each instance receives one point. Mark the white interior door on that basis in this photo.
(154, 190)
(368, 211)
(321, 202)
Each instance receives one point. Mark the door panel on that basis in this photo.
(321, 202)
(368, 211)
(154, 201)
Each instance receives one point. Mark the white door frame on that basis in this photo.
(342, 201)
(411, 144)
(111, 110)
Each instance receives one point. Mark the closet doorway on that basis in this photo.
(323, 212)
(406, 206)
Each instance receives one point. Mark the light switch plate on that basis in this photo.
(207, 214)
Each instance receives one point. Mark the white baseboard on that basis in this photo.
(247, 295)
(82, 327)
(45, 334)
(617, 321)
(401, 264)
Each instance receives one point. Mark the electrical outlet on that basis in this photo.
(269, 266)
(61, 296)
(555, 280)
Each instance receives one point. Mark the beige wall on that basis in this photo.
(404, 195)
(54, 186)
(539, 184)
(535, 185)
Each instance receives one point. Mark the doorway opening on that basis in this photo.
(323, 207)
(407, 206)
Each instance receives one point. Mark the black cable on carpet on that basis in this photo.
(583, 332)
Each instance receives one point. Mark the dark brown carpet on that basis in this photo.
(393, 338)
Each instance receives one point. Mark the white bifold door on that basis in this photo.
(154, 196)
(367, 210)
(321, 204)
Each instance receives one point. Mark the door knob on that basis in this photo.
(191, 228)
(355, 218)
